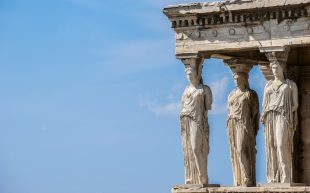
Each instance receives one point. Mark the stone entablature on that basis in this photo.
(274, 34)
(210, 27)
(223, 13)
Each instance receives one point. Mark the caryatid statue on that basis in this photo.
(242, 125)
(279, 117)
(196, 101)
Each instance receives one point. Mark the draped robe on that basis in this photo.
(279, 121)
(242, 127)
(195, 133)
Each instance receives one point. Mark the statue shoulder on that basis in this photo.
(185, 92)
(268, 84)
(291, 83)
(253, 93)
(231, 94)
(207, 90)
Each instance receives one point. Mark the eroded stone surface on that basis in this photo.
(196, 102)
(244, 190)
(242, 126)
(254, 31)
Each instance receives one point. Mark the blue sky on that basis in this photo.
(90, 97)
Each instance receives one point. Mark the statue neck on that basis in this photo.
(194, 83)
(279, 78)
(242, 88)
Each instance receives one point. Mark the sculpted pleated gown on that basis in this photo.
(195, 133)
(242, 125)
(280, 122)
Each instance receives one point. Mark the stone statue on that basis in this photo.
(279, 118)
(196, 101)
(242, 125)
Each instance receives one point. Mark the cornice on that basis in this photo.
(200, 15)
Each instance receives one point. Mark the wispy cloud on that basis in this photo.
(219, 88)
(170, 109)
(173, 107)
(257, 81)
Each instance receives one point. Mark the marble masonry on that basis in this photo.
(271, 34)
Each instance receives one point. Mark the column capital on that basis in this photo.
(276, 53)
(190, 55)
(194, 60)
(240, 64)
(267, 49)
(190, 58)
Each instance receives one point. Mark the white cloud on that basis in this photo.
(172, 108)
(257, 81)
(219, 88)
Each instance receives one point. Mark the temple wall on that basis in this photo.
(304, 111)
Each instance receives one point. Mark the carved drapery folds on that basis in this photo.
(245, 33)
(242, 124)
(279, 116)
(196, 101)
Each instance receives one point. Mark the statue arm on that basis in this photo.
(208, 99)
(294, 96)
(265, 101)
(230, 96)
(255, 111)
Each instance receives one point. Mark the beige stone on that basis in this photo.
(242, 125)
(260, 32)
(301, 189)
(196, 102)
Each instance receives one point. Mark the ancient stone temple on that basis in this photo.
(275, 35)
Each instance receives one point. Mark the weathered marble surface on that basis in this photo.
(196, 101)
(239, 25)
(252, 30)
(242, 127)
(301, 189)
(279, 117)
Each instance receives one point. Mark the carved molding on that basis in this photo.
(240, 16)
(240, 65)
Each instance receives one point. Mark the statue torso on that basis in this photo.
(276, 95)
(238, 104)
(193, 102)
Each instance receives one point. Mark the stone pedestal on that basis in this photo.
(299, 189)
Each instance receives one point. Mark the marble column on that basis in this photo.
(242, 124)
(196, 102)
(279, 116)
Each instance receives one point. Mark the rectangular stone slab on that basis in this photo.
(244, 190)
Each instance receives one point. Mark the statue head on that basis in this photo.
(193, 70)
(278, 62)
(191, 74)
(241, 79)
(277, 69)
